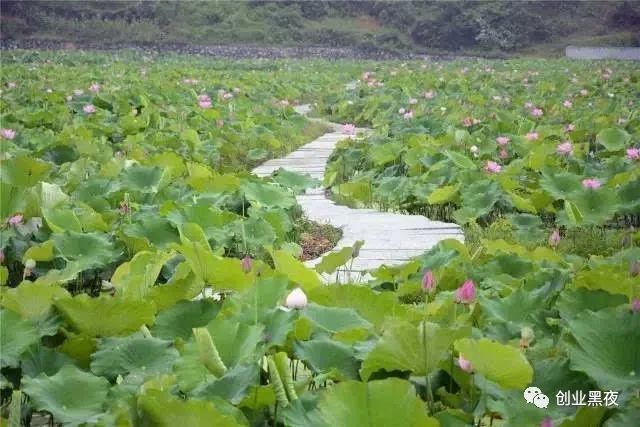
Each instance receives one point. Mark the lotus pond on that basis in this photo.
(126, 202)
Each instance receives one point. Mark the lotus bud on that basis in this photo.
(466, 293)
(635, 305)
(554, 238)
(296, 299)
(546, 422)
(30, 264)
(247, 263)
(428, 281)
(526, 336)
(464, 364)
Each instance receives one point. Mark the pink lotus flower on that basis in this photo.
(532, 136)
(205, 104)
(537, 112)
(504, 154)
(492, 167)
(296, 299)
(570, 127)
(633, 153)
(502, 140)
(95, 87)
(7, 133)
(348, 129)
(413, 101)
(467, 122)
(464, 364)
(15, 219)
(246, 263)
(429, 94)
(591, 183)
(567, 103)
(635, 305)
(89, 108)
(428, 281)
(547, 422)
(584, 92)
(565, 148)
(554, 238)
(408, 115)
(466, 293)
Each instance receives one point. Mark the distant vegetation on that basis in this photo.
(512, 27)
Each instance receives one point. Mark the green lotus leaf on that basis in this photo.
(133, 354)
(560, 185)
(480, 197)
(596, 207)
(267, 195)
(415, 348)
(160, 409)
(613, 139)
(135, 278)
(89, 250)
(256, 232)
(234, 385)
(179, 320)
(323, 355)
(605, 347)
(390, 402)
(502, 364)
(295, 270)
(50, 195)
(12, 200)
(157, 231)
(224, 273)
(383, 154)
(373, 306)
(611, 278)
(628, 195)
(257, 154)
(295, 181)
(443, 195)
(145, 179)
(235, 342)
(23, 171)
(105, 316)
(572, 302)
(31, 300)
(513, 312)
(333, 260)
(334, 319)
(72, 396)
(183, 285)
(460, 160)
(16, 336)
(43, 360)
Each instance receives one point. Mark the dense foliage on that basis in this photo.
(127, 205)
(485, 26)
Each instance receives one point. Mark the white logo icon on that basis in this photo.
(534, 395)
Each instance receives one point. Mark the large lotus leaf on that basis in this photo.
(12, 200)
(50, 195)
(179, 320)
(267, 195)
(371, 305)
(460, 160)
(157, 231)
(256, 232)
(43, 360)
(31, 300)
(415, 348)
(146, 179)
(295, 181)
(23, 171)
(596, 207)
(73, 396)
(384, 153)
(357, 191)
(133, 354)
(16, 336)
(213, 221)
(390, 402)
(572, 302)
(443, 195)
(334, 319)
(560, 185)
(480, 197)
(331, 261)
(502, 364)
(106, 316)
(628, 195)
(234, 341)
(295, 270)
(324, 355)
(607, 347)
(160, 409)
(60, 220)
(514, 311)
(183, 285)
(89, 250)
(611, 278)
(613, 139)
(134, 278)
(257, 303)
(233, 385)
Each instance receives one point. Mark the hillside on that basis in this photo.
(485, 27)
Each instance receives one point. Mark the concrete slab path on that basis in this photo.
(389, 238)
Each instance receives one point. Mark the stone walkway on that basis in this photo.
(389, 238)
